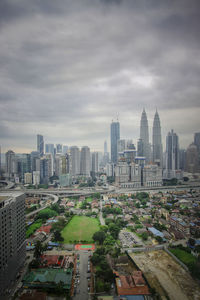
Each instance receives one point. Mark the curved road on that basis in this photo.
(45, 194)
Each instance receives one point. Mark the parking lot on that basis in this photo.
(129, 239)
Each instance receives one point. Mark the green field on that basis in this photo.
(80, 228)
(184, 256)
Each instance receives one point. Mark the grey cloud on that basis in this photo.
(68, 67)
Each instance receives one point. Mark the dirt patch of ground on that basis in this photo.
(168, 278)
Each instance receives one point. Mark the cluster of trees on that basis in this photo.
(33, 227)
(90, 183)
(38, 251)
(111, 210)
(46, 213)
(104, 276)
(107, 235)
(31, 209)
(142, 196)
(192, 262)
(85, 205)
(57, 228)
(159, 226)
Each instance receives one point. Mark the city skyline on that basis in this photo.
(68, 69)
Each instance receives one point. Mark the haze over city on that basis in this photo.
(69, 67)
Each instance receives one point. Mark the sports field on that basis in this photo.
(80, 228)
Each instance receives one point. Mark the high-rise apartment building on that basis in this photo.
(114, 137)
(85, 161)
(12, 238)
(144, 136)
(172, 154)
(74, 161)
(40, 144)
(157, 141)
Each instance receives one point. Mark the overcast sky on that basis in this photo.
(67, 68)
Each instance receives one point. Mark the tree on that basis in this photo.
(191, 242)
(104, 228)
(99, 236)
(39, 249)
(144, 236)
(58, 237)
(159, 239)
(109, 241)
(185, 178)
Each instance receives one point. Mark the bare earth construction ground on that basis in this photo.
(167, 276)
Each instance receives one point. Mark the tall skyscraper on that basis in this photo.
(197, 143)
(59, 148)
(140, 148)
(45, 168)
(12, 238)
(0, 162)
(192, 165)
(40, 144)
(95, 163)
(157, 141)
(182, 159)
(65, 149)
(105, 147)
(114, 137)
(144, 136)
(49, 148)
(35, 161)
(105, 155)
(85, 161)
(197, 140)
(11, 164)
(74, 161)
(23, 165)
(172, 154)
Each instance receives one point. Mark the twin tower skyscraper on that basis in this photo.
(155, 153)
(144, 149)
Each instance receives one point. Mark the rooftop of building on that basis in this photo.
(51, 277)
(2, 198)
(8, 196)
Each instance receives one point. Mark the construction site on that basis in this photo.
(166, 276)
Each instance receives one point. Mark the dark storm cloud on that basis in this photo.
(69, 67)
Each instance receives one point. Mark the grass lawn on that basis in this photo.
(185, 257)
(89, 199)
(80, 228)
